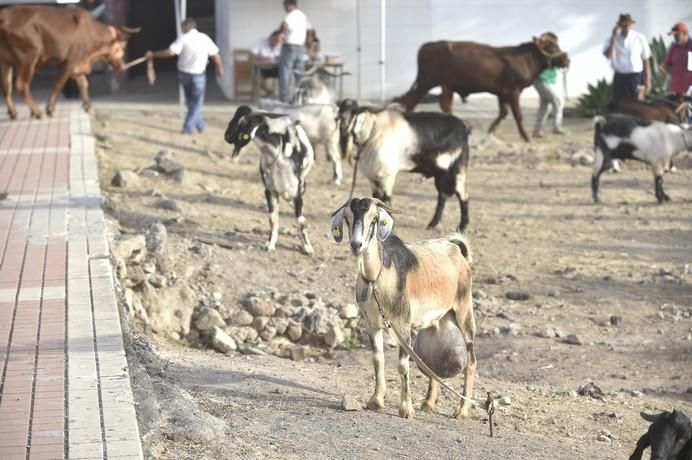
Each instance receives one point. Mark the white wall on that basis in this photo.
(581, 25)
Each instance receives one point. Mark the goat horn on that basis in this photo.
(308, 72)
(383, 205)
(650, 417)
(131, 30)
(332, 74)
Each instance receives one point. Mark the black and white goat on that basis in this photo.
(417, 285)
(621, 137)
(388, 140)
(669, 436)
(286, 158)
(319, 123)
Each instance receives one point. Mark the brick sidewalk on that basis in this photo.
(64, 385)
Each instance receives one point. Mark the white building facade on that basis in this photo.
(582, 27)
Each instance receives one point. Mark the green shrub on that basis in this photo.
(659, 80)
(596, 99)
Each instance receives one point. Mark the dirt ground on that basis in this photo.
(533, 229)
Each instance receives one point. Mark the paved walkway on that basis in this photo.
(64, 385)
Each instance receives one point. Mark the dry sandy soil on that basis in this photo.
(533, 229)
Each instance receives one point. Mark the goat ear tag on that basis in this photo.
(337, 234)
(385, 223)
(246, 136)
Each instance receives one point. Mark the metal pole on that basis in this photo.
(179, 32)
(359, 49)
(383, 45)
(183, 9)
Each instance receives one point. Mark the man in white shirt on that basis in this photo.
(193, 49)
(268, 49)
(629, 53)
(295, 26)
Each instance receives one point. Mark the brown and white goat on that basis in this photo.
(417, 285)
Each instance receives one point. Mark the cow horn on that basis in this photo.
(650, 417)
(130, 30)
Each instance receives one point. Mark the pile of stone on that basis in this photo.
(284, 325)
(192, 310)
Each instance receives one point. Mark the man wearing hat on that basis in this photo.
(629, 53)
(678, 61)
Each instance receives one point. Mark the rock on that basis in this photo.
(284, 312)
(573, 339)
(222, 342)
(294, 330)
(157, 244)
(170, 205)
(547, 333)
(581, 158)
(591, 390)
(281, 324)
(349, 311)
(208, 319)
(512, 329)
(242, 318)
(350, 403)
(253, 351)
(505, 401)
(259, 307)
(130, 249)
(517, 295)
(604, 438)
(166, 164)
(636, 393)
(157, 280)
(298, 353)
(148, 172)
(268, 333)
(553, 293)
(125, 179)
(334, 337)
(260, 322)
(616, 320)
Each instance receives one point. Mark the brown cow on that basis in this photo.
(670, 109)
(470, 67)
(69, 38)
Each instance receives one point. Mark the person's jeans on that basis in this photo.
(549, 96)
(193, 86)
(291, 59)
(625, 85)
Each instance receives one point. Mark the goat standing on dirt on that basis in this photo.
(625, 137)
(319, 123)
(312, 89)
(430, 143)
(286, 159)
(416, 286)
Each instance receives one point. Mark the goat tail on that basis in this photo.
(598, 122)
(461, 240)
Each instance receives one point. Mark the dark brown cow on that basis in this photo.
(69, 38)
(470, 67)
(671, 109)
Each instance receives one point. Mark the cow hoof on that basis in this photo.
(37, 115)
(87, 108)
(13, 115)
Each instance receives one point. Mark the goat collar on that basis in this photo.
(380, 253)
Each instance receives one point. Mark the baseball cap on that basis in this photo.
(679, 27)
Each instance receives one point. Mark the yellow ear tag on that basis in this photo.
(385, 222)
(336, 233)
(246, 136)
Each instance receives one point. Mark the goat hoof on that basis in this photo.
(269, 247)
(375, 403)
(308, 251)
(38, 115)
(406, 411)
(428, 407)
(336, 181)
(461, 412)
(13, 115)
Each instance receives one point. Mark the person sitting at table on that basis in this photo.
(313, 51)
(268, 49)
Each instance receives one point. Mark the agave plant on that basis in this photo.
(659, 79)
(596, 99)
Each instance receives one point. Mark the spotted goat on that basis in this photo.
(424, 286)
(387, 140)
(285, 160)
(621, 137)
